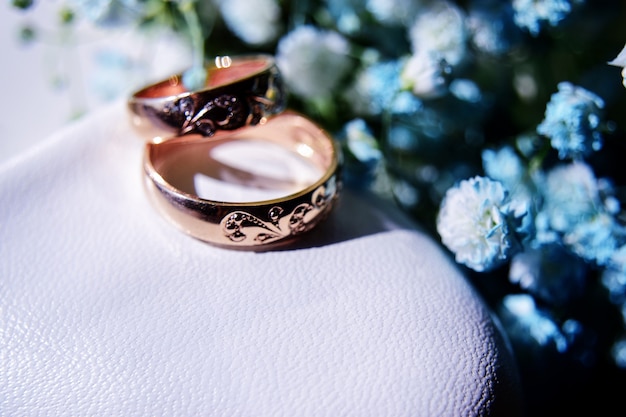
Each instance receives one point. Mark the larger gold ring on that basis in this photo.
(239, 91)
(300, 201)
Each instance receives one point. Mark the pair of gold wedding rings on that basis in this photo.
(229, 164)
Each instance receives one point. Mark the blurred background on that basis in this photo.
(59, 76)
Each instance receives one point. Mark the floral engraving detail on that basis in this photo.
(241, 227)
(198, 114)
(225, 112)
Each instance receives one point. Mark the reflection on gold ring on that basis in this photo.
(223, 61)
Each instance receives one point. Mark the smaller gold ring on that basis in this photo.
(235, 223)
(239, 91)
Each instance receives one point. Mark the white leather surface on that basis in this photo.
(107, 310)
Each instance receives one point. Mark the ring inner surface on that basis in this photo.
(257, 164)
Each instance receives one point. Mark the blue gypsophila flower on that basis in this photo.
(614, 276)
(618, 260)
(364, 155)
(405, 103)
(491, 27)
(549, 272)
(402, 138)
(529, 144)
(393, 11)
(422, 131)
(347, 14)
(570, 194)
(256, 22)
(506, 166)
(532, 14)
(361, 142)
(618, 352)
(313, 61)
(575, 212)
(406, 194)
(376, 87)
(466, 90)
(528, 324)
(597, 238)
(572, 121)
(478, 223)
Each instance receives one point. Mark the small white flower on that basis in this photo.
(533, 14)
(620, 61)
(313, 61)
(256, 22)
(466, 90)
(393, 11)
(476, 223)
(424, 75)
(440, 30)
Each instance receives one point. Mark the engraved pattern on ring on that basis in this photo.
(240, 226)
(227, 112)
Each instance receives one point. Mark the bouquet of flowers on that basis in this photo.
(496, 124)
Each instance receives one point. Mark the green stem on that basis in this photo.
(188, 11)
(535, 164)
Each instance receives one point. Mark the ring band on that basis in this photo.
(240, 91)
(256, 225)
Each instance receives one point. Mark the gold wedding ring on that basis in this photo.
(299, 203)
(239, 91)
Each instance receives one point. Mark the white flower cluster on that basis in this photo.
(477, 222)
(313, 61)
